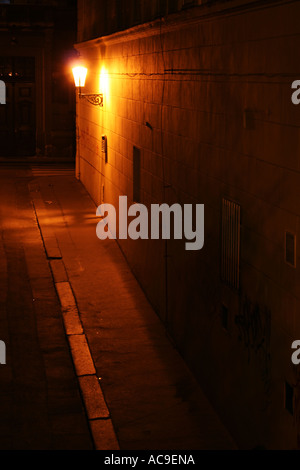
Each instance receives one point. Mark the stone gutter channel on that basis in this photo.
(97, 412)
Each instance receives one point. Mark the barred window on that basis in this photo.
(230, 253)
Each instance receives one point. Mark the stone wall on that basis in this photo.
(207, 100)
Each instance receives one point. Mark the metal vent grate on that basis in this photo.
(230, 261)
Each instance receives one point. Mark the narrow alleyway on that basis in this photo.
(61, 286)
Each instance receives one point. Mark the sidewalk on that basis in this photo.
(40, 402)
(147, 398)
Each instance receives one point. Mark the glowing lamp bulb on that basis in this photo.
(79, 74)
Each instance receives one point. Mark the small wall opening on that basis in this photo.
(289, 398)
(224, 317)
(136, 174)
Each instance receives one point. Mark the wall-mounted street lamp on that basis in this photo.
(80, 74)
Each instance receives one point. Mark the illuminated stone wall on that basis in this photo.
(207, 100)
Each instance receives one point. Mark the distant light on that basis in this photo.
(79, 74)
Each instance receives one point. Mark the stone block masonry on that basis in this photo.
(207, 101)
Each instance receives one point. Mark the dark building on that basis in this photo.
(37, 40)
(197, 109)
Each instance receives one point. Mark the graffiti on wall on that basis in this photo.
(254, 324)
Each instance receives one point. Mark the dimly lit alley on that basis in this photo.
(52, 264)
(149, 219)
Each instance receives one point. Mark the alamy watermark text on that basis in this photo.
(184, 225)
(2, 92)
(2, 353)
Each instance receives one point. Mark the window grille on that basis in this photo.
(230, 261)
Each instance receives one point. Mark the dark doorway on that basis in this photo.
(18, 115)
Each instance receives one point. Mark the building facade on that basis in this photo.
(36, 42)
(197, 109)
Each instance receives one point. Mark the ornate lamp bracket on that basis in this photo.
(95, 99)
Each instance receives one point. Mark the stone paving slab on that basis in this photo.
(81, 355)
(69, 309)
(104, 435)
(93, 398)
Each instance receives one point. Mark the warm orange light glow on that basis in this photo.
(104, 82)
(79, 74)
